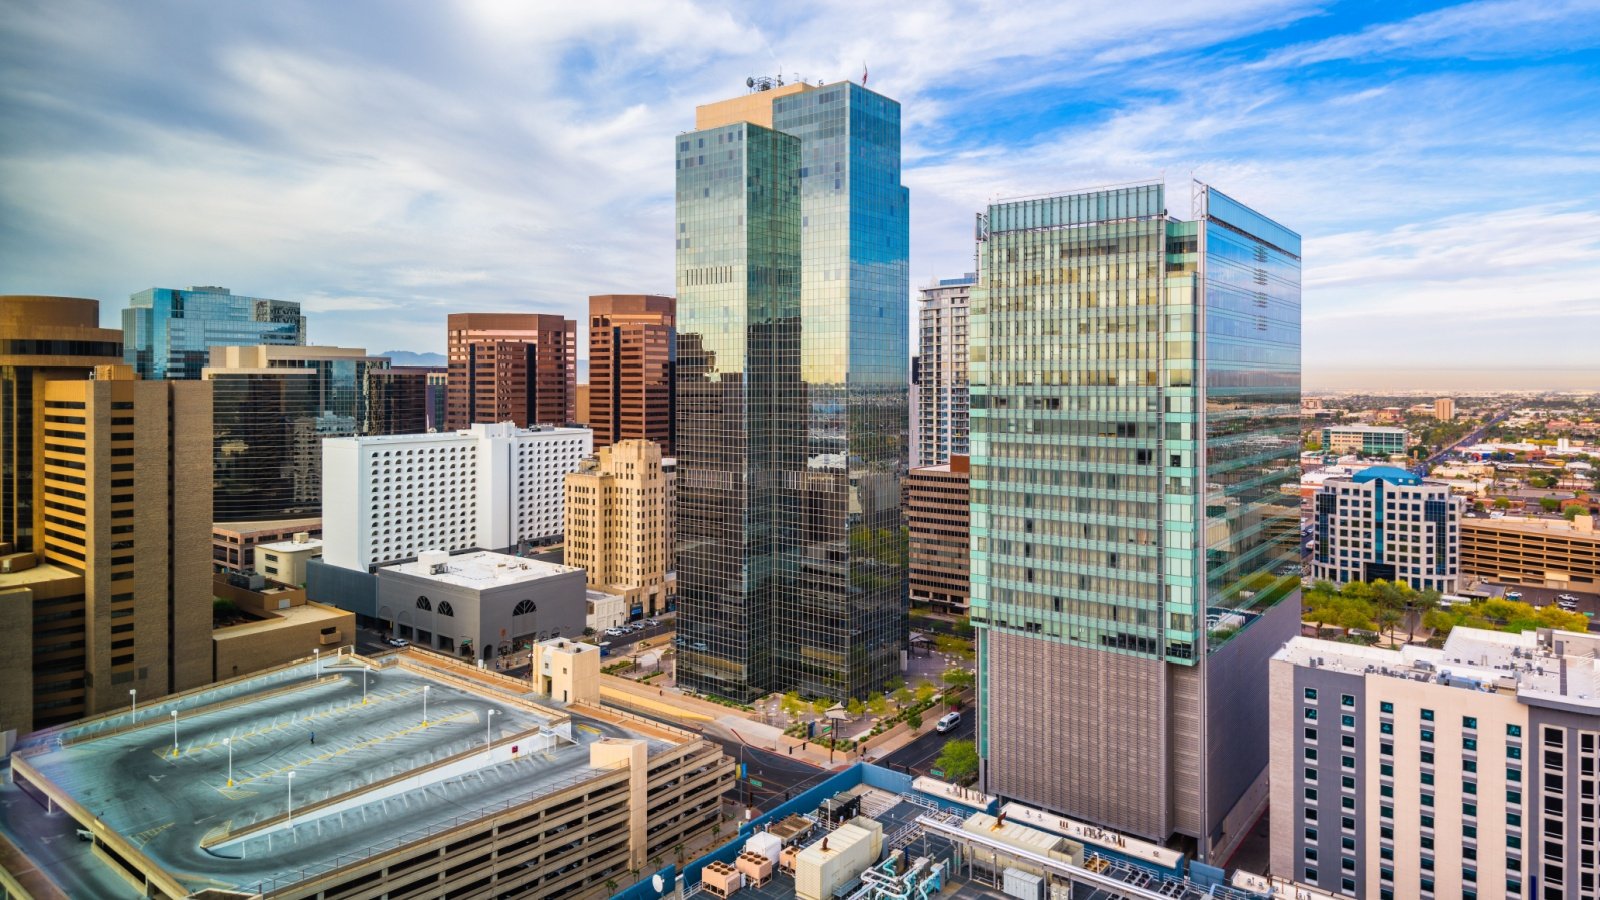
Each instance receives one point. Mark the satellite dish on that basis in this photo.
(748, 82)
(657, 882)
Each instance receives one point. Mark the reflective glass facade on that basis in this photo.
(1134, 389)
(831, 618)
(269, 423)
(168, 333)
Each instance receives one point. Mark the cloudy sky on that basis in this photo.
(387, 163)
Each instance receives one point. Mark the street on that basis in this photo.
(918, 756)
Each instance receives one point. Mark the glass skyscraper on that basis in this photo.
(792, 395)
(1135, 387)
(168, 333)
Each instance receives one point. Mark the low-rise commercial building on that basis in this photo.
(481, 603)
(1386, 523)
(233, 544)
(1444, 409)
(403, 777)
(273, 624)
(605, 610)
(1537, 552)
(1367, 439)
(285, 561)
(1466, 771)
(938, 533)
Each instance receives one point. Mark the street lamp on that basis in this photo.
(424, 706)
(363, 686)
(174, 732)
(488, 722)
(316, 659)
(133, 697)
(291, 801)
(228, 742)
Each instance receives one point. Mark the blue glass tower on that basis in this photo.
(1135, 389)
(828, 616)
(168, 333)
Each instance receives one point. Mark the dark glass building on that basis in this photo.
(1135, 389)
(396, 401)
(272, 407)
(169, 333)
(805, 181)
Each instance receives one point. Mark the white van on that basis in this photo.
(950, 721)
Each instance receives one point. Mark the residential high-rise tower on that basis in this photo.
(792, 397)
(1135, 383)
(616, 524)
(632, 347)
(942, 370)
(511, 367)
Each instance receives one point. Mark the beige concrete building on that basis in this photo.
(428, 779)
(1444, 409)
(567, 671)
(122, 503)
(616, 516)
(278, 627)
(1465, 771)
(937, 520)
(285, 561)
(1537, 552)
(233, 544)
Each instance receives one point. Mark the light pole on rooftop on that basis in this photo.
(488, 723)
(363, 686)
(424, 706)
(291, 801)
(228, 742)
(174, 732)
(316, 659)
(133, 697)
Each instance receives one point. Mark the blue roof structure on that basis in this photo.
(1386, 473)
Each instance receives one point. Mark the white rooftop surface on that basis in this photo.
(292, 546)
(1387, 429)
(1474, 658)
(483, 569)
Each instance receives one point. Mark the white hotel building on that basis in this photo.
(491, 486)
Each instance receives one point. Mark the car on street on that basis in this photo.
(948, 722)
(1566, 598)
(1513, 595)
(398, 642)
(652, 622)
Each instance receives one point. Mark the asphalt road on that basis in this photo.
(919, 755)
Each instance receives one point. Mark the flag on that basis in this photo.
(863, 74)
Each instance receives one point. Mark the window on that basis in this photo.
(1513, 731)
(1348, 701)
(445, 609)
(1386, 707)
(1427, 715)
(1311, 693)
(1469, 743)
(1469, 722)
(424, 604)
(1386, 727)
(1348, 721)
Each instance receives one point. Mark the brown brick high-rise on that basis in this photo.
(631, 354)
(516, 367)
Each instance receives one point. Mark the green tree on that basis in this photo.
(821, 705)
(1574, 510)
(1549, 504)
(792, 704)
(958, 678)
(1502, 503)
(958, 761)
(925, 692)
(855, 708)
(877, 704)
(914, 720)
(1388, 619)
(902, 697)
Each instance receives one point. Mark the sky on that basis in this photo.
(386, 163)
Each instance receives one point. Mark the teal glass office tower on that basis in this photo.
(169, 333)
(1135, 389)
(792, 412)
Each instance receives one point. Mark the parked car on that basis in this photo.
(1566, 598)
(948, 722)
(1513, 595)
(398, 642)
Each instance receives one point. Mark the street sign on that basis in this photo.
(754, 783)
(936, 772)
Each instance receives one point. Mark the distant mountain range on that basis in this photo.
(408, 358)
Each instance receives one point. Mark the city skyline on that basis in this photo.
(480, 157)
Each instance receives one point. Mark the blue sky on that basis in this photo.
(387, 163)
